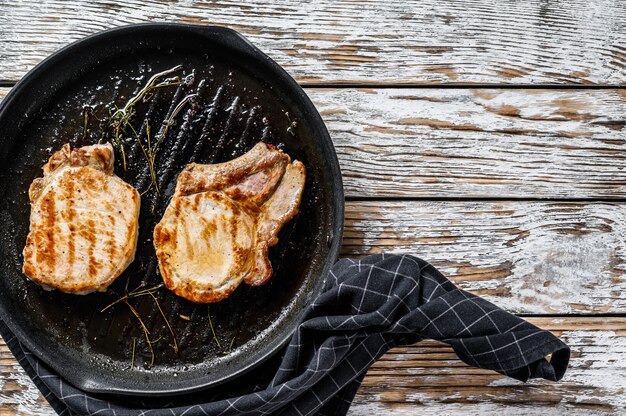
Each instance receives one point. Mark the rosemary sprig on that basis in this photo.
(133, 294)
(128, 109)
(170, 120)
(137, 292)
(120, 118)
(149, 155)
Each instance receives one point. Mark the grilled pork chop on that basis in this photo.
(83, 222)
(222, 219)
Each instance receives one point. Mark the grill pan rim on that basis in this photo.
(230, 38)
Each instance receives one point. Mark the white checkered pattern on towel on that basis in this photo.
(368, 306)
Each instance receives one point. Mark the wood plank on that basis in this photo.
(506, 143)
(428, 379)
(527, 257)
(367, 41)
(467, 143)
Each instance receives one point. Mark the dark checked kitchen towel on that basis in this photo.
(368, 306)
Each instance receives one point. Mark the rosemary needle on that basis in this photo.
(152, 83)
(156, 301)
(213, 330)
(148, 155)
(167, 124)
(132, 358)
(85, 119)
(145, 330)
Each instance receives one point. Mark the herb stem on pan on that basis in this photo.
(133, 294)
(120, 118)
(88, 111)
(85, 120)
(232, 341)
(292, 125)
(146, 291)
(146, 332)
(137, 292)
(126, 111)
(120, 146)
(157, 340)
(169, 122)
(146, 190)
(132, 357)
(151, 158)
(213, 330)
(149, 155)
(175, 346)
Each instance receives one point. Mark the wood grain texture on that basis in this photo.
(428, 379)
(18, 394)
(421, 42)
(527, 257)
(506, 143)
(466, 143)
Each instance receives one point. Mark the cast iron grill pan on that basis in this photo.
(242, 97)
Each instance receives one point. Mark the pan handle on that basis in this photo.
(232, 39)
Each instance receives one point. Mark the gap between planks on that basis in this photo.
(382, 86)
(453, 86)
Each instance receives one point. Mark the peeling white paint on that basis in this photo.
(483, 409)
(469, 143)
(419, 41)
(26, 401)
(601, 369)
(527, 257)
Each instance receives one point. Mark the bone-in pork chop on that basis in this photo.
(222, 219)
(83, 222)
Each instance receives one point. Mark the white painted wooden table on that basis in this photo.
(486, 137)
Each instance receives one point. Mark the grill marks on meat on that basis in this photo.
(83, 222)
(221, 221)
(214, 234)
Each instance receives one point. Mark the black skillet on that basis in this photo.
(242, 97)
